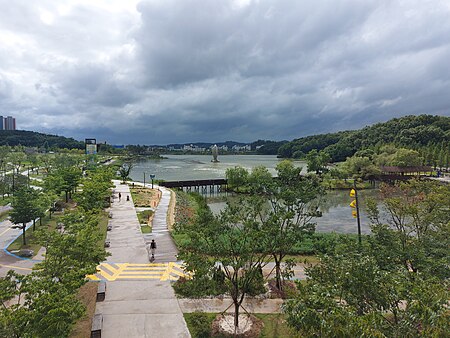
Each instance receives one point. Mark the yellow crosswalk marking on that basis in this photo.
(162, 271)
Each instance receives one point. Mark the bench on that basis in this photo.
(97, 323)
(101, 291)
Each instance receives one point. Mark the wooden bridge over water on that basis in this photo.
(200, 186)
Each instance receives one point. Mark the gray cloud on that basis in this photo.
(155, 72)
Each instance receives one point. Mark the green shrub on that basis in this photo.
(199, 324)
(257, 286)
(144, 216)
(199, 286)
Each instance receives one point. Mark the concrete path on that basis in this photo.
(140, 307)
(166, 250)
(216, 305)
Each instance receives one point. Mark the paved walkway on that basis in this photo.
(217, 305)
(166, 250)
(136, 306)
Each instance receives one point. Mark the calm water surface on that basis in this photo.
(335, 207)
(199, 167)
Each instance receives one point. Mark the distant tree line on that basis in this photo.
(34, 139)
(420, 133)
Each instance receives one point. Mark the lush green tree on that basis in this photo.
(350, 295)
(414, 227)
(24, 208)
(44, 303)
(236, 178)
(317, 161)
(360, 168)
(284, 207)
(406, 158)
(63, 180)
(231, 242)
(124, 170)
(396, 284)
(73, 252)
(95, 189)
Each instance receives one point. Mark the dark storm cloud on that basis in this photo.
(170, 71)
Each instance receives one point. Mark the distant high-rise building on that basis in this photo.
(9, 123)
(2, 123)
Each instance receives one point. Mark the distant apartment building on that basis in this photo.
(246, 147)
(7, 123)
(194, 148)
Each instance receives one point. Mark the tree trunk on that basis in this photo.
(278, 273)
(236, 316)
(67, 197)
(23, 233)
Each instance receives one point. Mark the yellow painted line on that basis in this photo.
(5, 231)
(114, 271)
(145, 264)
(93, 277)
(179, 266)
(141, 273)
(166, 274)
(105, 274)
(176, 272)
(145, 269)
(15, 267)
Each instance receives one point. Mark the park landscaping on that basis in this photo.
(145, 198)
(71, 227)
(394, 281)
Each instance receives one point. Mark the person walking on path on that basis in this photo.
(120, 196)
(153, 249)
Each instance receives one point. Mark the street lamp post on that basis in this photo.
(152, 176)
(355, 204)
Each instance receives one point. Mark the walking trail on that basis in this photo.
(140, 301)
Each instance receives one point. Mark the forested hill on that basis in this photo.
(409, 131)
(34, 139)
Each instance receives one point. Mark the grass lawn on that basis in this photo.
(146, 229)
(274, 325)
(4, 215)
(5, 200)
(87, 294)
(144, 197)
(309, 259)
(103, 224)
(32, 244)
(50, 224)
(145, 216)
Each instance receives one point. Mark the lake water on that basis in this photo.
(198, 167)
(335, 207)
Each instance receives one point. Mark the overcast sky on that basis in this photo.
(158, 72)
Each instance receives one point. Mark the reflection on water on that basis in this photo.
(337, 214)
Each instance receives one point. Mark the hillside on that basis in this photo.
(409, 131)
(34, 139)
